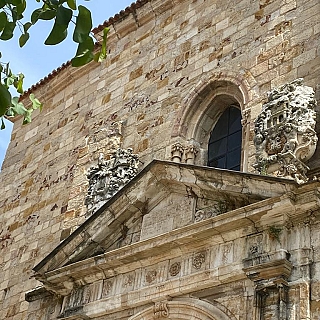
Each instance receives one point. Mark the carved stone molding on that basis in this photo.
(270, 273)
(151, 276)
(175, 269)
(187, 153)
(190, 153)
(246, 116)
(268, 265)
(284, 132)
(160, 310)
(177, 152)
(198, 260)
(109, 176)
(185, 309)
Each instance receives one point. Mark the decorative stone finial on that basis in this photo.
(109, 176)
(284, 132)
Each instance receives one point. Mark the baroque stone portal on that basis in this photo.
(284, 132)
(109, 176)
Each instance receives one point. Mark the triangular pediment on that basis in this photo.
(162, 189)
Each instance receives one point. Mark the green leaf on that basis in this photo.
(84, 53)
(7, 32)
(5, 99)
(64, 15)
(36, 104)
(3, 126)
(102, 54)
(15, 2)
(27, 26)
(35, 15)
(59, 31)
(18, 107)
(2, 3)
(72, 4)
(83, 25)
(27, 116)
(9, 112)
(21, 7)
(9, 80)
(57, 35)
(19, 83)
(43, 14)
(3, 20)
(23, 39)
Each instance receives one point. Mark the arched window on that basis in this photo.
(215, 121)
(224, 147)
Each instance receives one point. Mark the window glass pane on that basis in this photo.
(234, 141)
(234, 120)
(218, 162)
(218, 148)
(224, 148)
(221, 129)
(233, 158)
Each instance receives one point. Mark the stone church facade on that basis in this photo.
(178, 179)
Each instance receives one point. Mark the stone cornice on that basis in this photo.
(154, 182)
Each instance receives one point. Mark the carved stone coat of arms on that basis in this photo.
(285, 136)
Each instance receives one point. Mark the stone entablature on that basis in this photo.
(95, 285)
(285, 136)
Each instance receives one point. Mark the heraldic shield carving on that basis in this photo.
(109, 176)
(284, 132)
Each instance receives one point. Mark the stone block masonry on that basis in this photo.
(162, 56)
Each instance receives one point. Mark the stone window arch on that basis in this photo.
(201, 113)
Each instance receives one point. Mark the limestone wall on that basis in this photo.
(161, 59)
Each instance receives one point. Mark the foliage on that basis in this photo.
(62, 13)
(274, 232)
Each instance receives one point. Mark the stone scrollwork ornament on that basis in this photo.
(161, 310)
(284, 132)
(109, 176)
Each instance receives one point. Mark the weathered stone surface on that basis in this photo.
(285, 136)
(173, 67)
(109, 176)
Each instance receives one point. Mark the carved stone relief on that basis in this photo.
(109, 176)
(151, 276)
(198, 260)
(219, 207)
(177, 152)
(181, 153)
(160, 310)
(284, 132)
(175, 269)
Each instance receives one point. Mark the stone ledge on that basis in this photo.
(37, 294)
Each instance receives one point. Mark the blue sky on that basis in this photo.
(36, 60)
